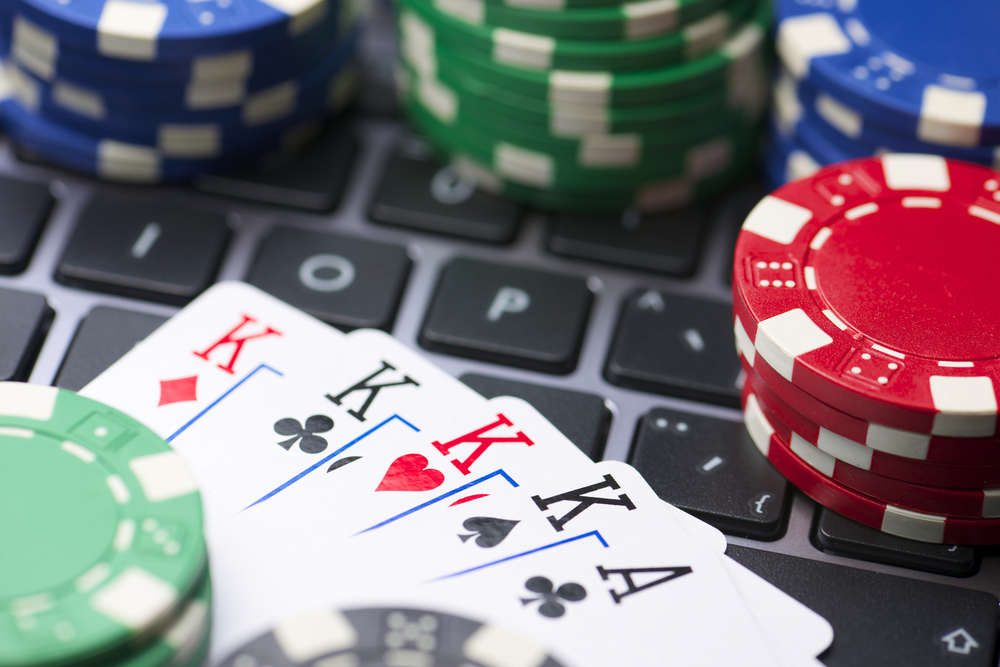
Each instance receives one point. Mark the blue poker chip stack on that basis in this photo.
(163, 90)
(867, 77)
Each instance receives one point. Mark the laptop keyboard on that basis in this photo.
(632, 355)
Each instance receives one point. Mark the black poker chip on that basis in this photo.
(389, 637)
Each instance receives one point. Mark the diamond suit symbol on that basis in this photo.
(178, 391)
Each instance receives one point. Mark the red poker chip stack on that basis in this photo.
(867, 318)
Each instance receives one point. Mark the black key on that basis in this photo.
(881, 619)
(103, 338)
(583, 418)
(345, 281)
(663, 242)
(24, 321)
(710, 468)
(312, 179)
(678, 345)
(419, 193)
(732, 210)
(26, 207)
(144, 249)
(838, 535)
(508, 315)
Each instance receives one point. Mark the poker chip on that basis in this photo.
(576, 109)
(870, 77)
(108, 525)
(377, 637)
(836, 464)
(810, 469)
(151, 93)
(845, 315)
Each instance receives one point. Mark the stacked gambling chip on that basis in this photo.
(164, 91)
(106, 561)
(594, 106)
(869, 332)
(869, 77)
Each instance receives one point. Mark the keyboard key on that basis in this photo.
(583, 418)
(145, 249)
(345, 281)
(731, 209)
(25, 321)
(26, 207)
(313, 179)
(840, 536)
(508, 315)
(884, 620)
(419, 193)
(710, 468)
(103, 338)
(677, 345)
(662, 242)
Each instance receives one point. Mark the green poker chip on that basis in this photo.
(184, 640)
(106, 520)
(559, 123)
(539, 52)
(726, 67)
(625, 21)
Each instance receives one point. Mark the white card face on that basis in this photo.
(801, 631)
(233, 332)
(503, 445)
(599, 601)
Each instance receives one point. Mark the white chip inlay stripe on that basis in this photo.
(904, 171)
(985, 214)
(129, 30)
(79, 451)
(119, 490)
(991, 503)
(891, 353)
(92, 578)
(17, 432)
(861, 211)
(832, 316)
(956, 364)
(495, 646)
(821, 461)
(821, 236)
(802, 38)
(743, 342)
(777, 219)
(783, 337)
(921, 202)
(894, 441)
(30, 401)
(309, 636)
(913, 525)
(758, 427)
(844, 449)
(136, 599)
(810, 275)
(124, 535)
(967, 406)
(163, 476)
(951, 117)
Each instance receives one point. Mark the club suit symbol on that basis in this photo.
(310, 442)
(552, 600)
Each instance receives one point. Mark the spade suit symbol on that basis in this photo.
(491, 531)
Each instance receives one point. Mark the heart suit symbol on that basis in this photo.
(410, 473)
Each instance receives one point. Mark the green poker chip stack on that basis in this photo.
(104, 560)
(593, 106)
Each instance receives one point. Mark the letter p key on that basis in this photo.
(508, 300)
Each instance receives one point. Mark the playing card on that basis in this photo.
(230, 335)
(475, 454)
(625, 593)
